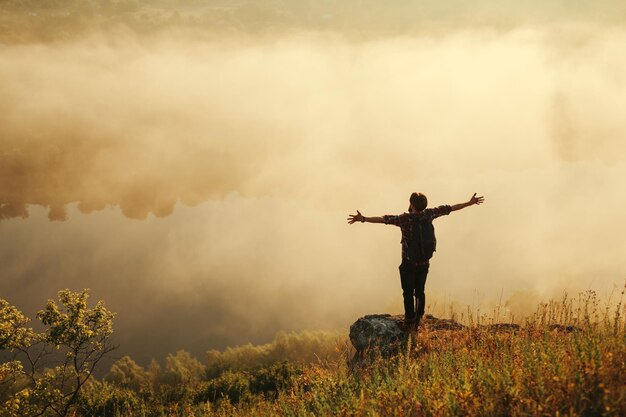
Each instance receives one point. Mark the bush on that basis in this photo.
(268, 381)
(75, 340)
(230, 385)
(102, 399)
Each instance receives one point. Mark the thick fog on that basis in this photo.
(200, 184)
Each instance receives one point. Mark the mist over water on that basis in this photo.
(200, 185)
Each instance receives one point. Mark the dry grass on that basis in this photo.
(568, 359)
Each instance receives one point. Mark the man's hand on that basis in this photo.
(471, 202)
(353, 218)
(476, 200)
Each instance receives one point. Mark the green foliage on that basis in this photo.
(568, 359)
(125, 373)
(237, 375)
(14, 336)
(13, 332)
(182, 369)
(235, 386)
(302, 348)
(75, 339)
(178, 381)
(75, 326)
(268, 381)
(105, 399)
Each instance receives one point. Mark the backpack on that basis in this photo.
(422, 243)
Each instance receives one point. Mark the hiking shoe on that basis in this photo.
(417, 322)
(408, 325)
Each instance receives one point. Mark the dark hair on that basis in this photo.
(419, 201)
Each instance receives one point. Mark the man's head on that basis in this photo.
(418, 202)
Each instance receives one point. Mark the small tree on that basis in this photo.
(48, 369)
(126, 373)
(14, 336)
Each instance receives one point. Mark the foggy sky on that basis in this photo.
(200, 187)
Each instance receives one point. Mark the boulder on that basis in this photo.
(383, 333)
(386, 335)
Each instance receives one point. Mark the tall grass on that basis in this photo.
(568, 359)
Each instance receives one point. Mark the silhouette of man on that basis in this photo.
(415, 264)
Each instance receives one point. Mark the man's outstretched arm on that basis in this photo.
(358, 217)
(471, 202)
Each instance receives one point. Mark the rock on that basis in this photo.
(563, 328)
(433, 323)
(386, 335)
(498, 327)
(383, 333)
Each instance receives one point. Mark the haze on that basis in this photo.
(197, 177)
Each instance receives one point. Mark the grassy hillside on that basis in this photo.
(575, 368)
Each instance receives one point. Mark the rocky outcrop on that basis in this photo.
(433, 323)
(502, 327)
(386, 335)
(563, 329)
(383, 333)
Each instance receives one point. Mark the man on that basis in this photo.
(418, 245)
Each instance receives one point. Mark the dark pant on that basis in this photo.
(413, 280)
